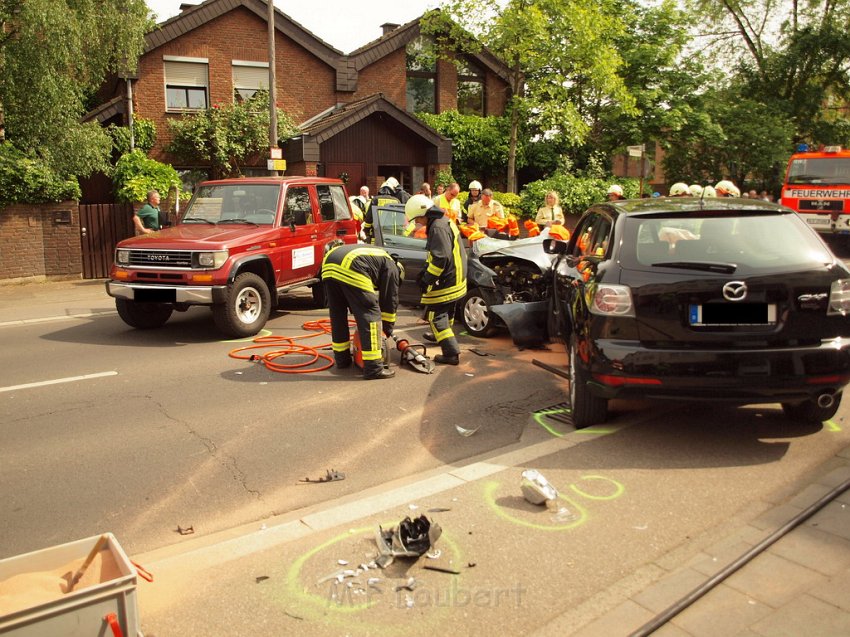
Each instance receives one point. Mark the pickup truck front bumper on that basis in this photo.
(146, 293)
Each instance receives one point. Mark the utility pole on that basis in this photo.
(272, 87)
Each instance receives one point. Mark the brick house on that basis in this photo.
(355, 111)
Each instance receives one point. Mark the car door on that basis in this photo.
(299, 259)
(390, 233)
(335, 222)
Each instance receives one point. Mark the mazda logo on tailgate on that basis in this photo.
(735, 291)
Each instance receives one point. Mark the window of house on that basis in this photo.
(470, 89)
(248, 78)
(421, 76)
(186, 83)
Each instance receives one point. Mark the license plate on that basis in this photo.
(817, 221)
(714, 314)
(154, 295)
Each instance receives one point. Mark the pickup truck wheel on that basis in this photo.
(587, 409)
(320, 297)
(476, 314)
(246, 309)
(143, 316)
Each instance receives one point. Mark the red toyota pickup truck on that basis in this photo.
(238, 245)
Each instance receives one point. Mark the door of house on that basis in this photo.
(356, 175)
(102, 226)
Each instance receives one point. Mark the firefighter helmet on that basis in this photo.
(726, 188)
(709, 191)
(696, 190)
(391, 183)
(615, 189)
(474, 185)
(680, 189)
(416, 206)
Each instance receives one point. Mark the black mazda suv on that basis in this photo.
(701, 299)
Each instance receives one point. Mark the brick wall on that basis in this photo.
(388, 75)
(305, 84)
(33, 246)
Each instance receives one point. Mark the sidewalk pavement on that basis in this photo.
(518, 566)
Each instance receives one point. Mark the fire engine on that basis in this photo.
(817, 185)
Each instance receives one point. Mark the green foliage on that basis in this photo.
(144, 133)
(24, 179)
(576, 193)
(479, 144)
(226, 135)
(136, 173)
(53, 55)
(444, 178)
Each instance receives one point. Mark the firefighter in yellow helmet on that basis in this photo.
(365, 280)
(443, 280)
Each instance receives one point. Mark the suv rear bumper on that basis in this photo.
(146, 293)
(755, 375)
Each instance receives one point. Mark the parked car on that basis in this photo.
(507, 281)
(238, 245)
(728, 300)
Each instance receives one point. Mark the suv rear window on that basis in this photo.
(333, 203)
(752, 242)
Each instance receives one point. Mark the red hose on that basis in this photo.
(287, 346)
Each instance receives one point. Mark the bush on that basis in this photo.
(136, 174)
(576, 193)
(144, 131)
(24, 179)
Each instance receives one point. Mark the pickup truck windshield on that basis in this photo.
(254, 204)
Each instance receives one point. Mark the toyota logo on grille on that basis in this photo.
(735, 291)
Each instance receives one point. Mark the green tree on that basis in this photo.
(226, 135)
(54, 54)
(480, 145)
(560, 53)
(793, 54)
(135, 174)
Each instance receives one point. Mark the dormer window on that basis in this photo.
(470, 88)
(421, 76)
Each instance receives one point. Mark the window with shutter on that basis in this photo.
(186, 83)
(248, 78)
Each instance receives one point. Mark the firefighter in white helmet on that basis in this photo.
(680, 189)
(615, 192)
(726, 188)
(443, 280)
(695, 190)
(474, 197)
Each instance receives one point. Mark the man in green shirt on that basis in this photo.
(146, 219)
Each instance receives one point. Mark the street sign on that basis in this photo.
(636, 151)
(276, 153)
(276, 164)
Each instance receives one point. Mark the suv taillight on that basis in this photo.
(612, 300)
(839, 298)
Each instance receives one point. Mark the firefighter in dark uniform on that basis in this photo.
(443, 280)
(363, 279)
(389, 192)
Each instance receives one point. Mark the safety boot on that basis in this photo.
(342, 359)
(447, 359)
(382, 373)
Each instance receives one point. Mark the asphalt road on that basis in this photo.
(169, 430)
(165, 429)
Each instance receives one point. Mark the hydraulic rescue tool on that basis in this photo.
(414, 354)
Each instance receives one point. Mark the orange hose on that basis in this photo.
(286, 346)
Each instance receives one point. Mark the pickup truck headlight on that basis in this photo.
(122, 257)
(212, 260)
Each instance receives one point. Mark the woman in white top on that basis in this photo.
(551, 212)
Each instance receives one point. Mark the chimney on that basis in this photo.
(388, 27)
(185, 5)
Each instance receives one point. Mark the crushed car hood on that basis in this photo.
(530, 249)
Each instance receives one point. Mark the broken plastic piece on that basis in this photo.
(479, 352)
(563, 514)
(261, 578)
(466, 433)
(185, 530)
(442, 569)
(535, 488)
(411, 538)
(331, 475)
(407, 586)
